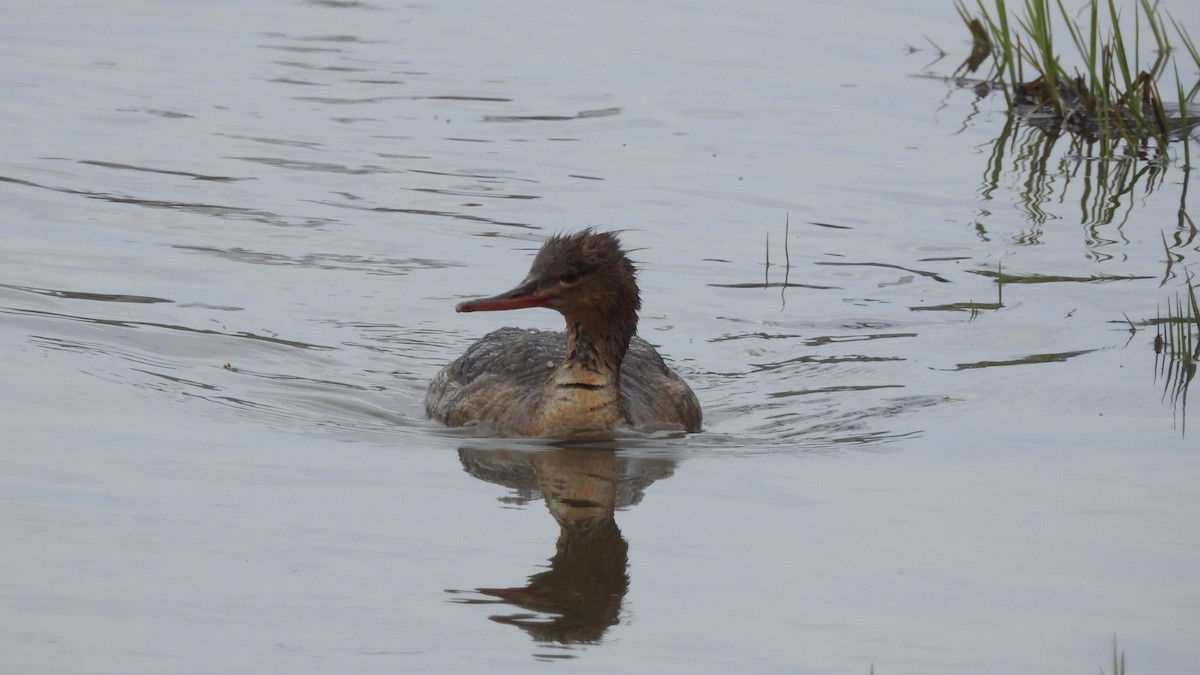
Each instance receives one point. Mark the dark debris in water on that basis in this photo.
(774, 284)
(331, 261)
(1025, 360)
(83, 295)
(932, 275)
(827, 390)
(168, 172)
(959, 307)
(1056, 278)
(583, 114)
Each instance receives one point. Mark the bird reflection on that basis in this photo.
(579, 597)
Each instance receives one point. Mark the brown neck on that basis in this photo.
(585, 391)
(596, 345)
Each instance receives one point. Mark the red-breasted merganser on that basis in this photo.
(599, 375)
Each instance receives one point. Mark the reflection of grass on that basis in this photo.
(1177, 348)
(1108, 184)
(1114, 104)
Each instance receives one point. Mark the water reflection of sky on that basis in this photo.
(905, 463)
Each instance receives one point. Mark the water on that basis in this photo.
(234, 234)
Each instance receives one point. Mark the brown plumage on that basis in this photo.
(599, 375)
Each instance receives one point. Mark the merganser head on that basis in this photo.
(575, 274)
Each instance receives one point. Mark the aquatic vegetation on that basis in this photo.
(1099, 113)
(1109, 99)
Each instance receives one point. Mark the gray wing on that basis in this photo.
(492, 379)
(654, 394)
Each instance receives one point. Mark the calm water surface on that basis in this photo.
(234, 234)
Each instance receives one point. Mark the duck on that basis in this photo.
(596, 375)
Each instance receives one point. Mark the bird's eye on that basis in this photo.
(569, 277)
